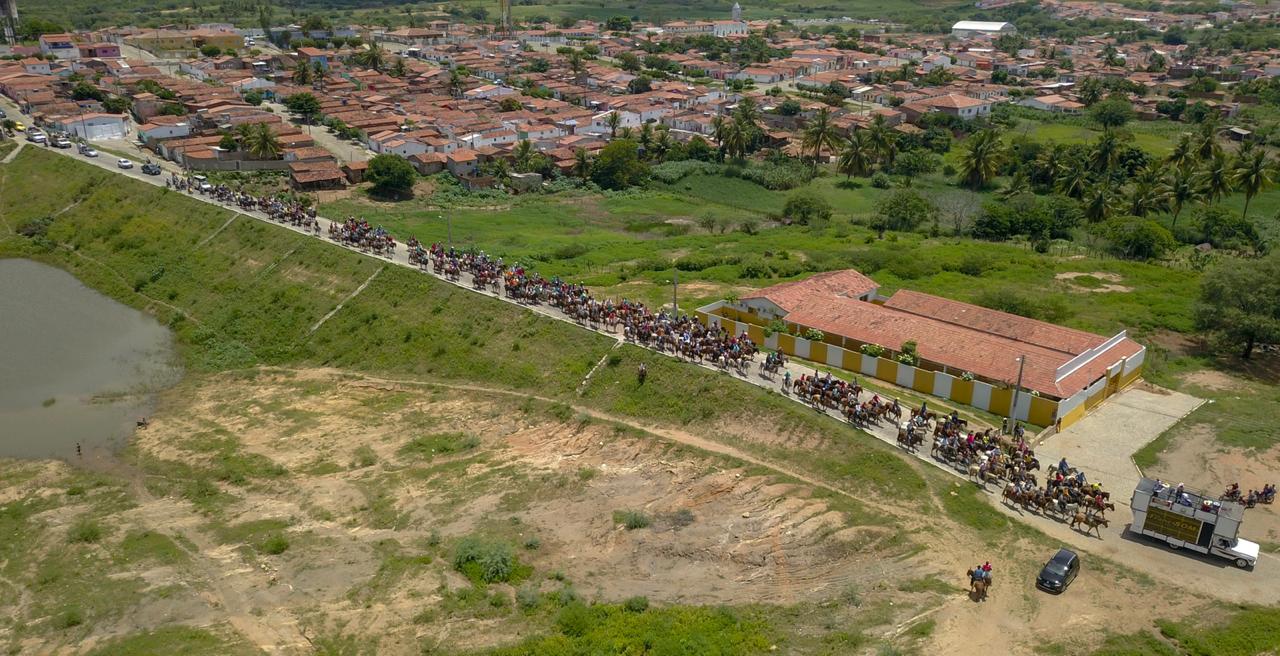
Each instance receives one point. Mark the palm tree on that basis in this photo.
(858, 157)
(1183, 154)
(374, 57)
(399, 69)
(662, 143)
(646, 137)
(581, 164)
(980, 162)
(243, 132)
(1073, 181)
(736, 139)
(302, 74)
(262, 142)
(717, 130)
(1217, 178)
(1050, 164)
(821, 133)
(748, 111)
(577, 65)
(1183, 187)
(1097, 203)
(1253, 173)
(522, 154)
(883, 140)
(1147, 196)
(613, 120)
(626, 132)
(1105, 153)
(1017, 186)
(455, 83)
(1206, 140)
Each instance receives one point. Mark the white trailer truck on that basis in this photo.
(1189, 520)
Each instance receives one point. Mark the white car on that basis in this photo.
(89, 152)
(36, 137)
(124, 163)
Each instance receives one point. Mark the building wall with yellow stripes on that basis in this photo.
(984, 396)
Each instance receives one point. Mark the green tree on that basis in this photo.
(629, 62)
(618, 24)
(1184, 187)
(391, 175)
(613, 120)
(641, 84)
(858, 157)
(1217, 178)
(903, 209)
(618, 165)
(806, 206)
(302, 73)
(1090, 91)
(373, 56)
(1240, 303)
(262, 142)
(1139, 238)
(1183, 154)
(1111, 113)
(820, 133)
(981, 159)
(210, 50)
(304, 105)
(581, 164)
(254, 97)
(1253, 174)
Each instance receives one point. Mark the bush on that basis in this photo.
(806, 207)
(527, 597)
(364, 457)
(631, 519)
(85, 531)
(1138, 238)
(881, 181)
(636, 604)
(814, 335)
(903, 209)
(873, 350)
(485, 561)
(779, 175)
(274, 545)
(908, 354)
(672, 172)
(391, 175)
(68, 618)
(532, 543)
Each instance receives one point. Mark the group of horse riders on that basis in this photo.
(358, 233)
(679, 334)
(278, 209)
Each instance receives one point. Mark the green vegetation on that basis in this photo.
(427, 447)
(488, 561)
(677, 630)
(631, 519)
(189, 641)
(1249, 631)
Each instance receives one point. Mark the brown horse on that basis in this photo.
(1090, 522)
(978, 586)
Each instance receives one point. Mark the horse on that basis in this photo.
(978, 585)
(1090, 522)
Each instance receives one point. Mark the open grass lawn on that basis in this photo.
(1155, 137)
(629, 245)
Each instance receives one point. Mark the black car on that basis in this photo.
(1059, 572)
(151, 168)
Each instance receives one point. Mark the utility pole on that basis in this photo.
(675, 286)
(1013, 408)
(449, 221)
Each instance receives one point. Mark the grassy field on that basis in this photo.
(630, 245)
(251, 295)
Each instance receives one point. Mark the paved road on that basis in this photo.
(1261, 585)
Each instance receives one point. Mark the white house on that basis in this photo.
(971, 29)
(93, 126)
(729, 28)
(600, 122)
(148, 132)
(488, 91)
(940, 60)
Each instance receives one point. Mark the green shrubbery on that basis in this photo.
(580, 629)
(487, 561)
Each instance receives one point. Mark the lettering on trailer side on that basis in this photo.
(1172, 524)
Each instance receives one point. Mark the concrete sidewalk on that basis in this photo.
(1103, 443)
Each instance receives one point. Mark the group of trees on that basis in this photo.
(257, 139)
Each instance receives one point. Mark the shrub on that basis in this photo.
(908, 354)
(483, 560)
(364, 457)
(85, 531)
(806, 207)
(1138, 238)
(672, 172)
(881, 181)
(274, 545)
(532, 543)
(775, 326)
(814, 335)
(873, 350)
(631, 519)
(779, 175)
(527, 597)
(391, 175)
(68, 618)
(637, 604)
(903, 209)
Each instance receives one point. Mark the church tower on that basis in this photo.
(737, 12)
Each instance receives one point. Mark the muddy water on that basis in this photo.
(76, 368)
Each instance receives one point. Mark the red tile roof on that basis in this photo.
(792, 296)
(957, 335)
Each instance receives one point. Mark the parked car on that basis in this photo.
(1059, 572)
(36, 137)
(88, 152)
(19, 126)
(3, 114)
(124, 163)
(151, 168)
(61, 142)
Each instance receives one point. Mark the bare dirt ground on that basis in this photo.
(1196, 460)
(372, 482)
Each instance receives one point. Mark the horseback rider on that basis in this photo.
(641, 372)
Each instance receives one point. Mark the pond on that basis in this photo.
(76, 367)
